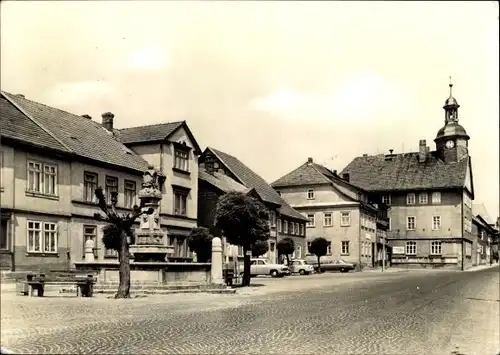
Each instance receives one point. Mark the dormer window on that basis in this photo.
(410, 199)
(310, 194)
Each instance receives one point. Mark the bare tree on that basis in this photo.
(120, 234)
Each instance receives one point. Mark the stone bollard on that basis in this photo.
(216, 275)
(89, 251)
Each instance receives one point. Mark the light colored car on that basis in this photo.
(263, 267)
(299, 266)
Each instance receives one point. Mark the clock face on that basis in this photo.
(450, 144)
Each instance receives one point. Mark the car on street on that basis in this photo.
(261, 267)
(300, 266)
(336, 265)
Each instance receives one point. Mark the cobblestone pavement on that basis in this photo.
(393, 313)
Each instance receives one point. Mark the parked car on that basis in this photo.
(300, 266)
(336, 265)
(263, 267)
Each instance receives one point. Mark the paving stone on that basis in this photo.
(400, 313)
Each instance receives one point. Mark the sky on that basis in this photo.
(271, 83)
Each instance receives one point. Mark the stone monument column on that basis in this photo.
(150, 241)
(216, 275)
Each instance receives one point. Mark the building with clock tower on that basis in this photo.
(430, 196)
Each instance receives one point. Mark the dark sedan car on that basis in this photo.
(336, 265)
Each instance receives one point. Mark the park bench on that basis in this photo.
(37, 282)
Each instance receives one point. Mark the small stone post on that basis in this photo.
(216, 268)
(89, 251)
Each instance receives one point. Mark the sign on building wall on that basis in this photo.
(398, 250)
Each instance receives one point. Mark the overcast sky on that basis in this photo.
(272, 83)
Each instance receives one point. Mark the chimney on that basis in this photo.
(345, 176)
(365, 155)
(87, 116)
(309, 160)
(335, 172)
(390, 151)
(422, 151)
(107, 121)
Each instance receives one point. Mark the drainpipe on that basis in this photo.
(359, 238)
(462, 223)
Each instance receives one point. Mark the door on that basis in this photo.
(272, 252)
(5, 254)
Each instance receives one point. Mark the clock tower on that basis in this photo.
(452, 139)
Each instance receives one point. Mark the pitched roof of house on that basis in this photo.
(76, 134)
(306, 174)
(154, 133)
(405, 172)
(222, 182)
(478, 209)
(252, 180)
(16, 125)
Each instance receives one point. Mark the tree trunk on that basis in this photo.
(246, 267)
(319, 265)
(124, 272)
(288, 259)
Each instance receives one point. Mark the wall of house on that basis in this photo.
(297, 195)
(451, 254)
(162, 157)
(449, 209)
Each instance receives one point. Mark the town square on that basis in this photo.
(249, 177)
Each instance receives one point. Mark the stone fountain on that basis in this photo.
(150, 241)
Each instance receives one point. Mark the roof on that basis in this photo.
(478, 209)
(18, 126)
(142, 134)
(76, 134)
(154, 133)
(222, 182)
(306, 174)
(250, 179)
(405, 172)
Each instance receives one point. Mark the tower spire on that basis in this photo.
(451, 86)
(451, 107)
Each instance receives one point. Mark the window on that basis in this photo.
(329, 248)
(327, 221)
(180, 248)
(435, 248)
(436, 197)
(411, 248)
(42, 237)
(292, 228)
(308, 247)
(310, 216)
(279, 225)
(42, 178)
(111, 186)
(389, 222)
(181, 160)
(89, 186)
(180, 203)
(310, 194)
(345, 247)
(297, 232)
(345, 219)
(386, 199)
(285, 226)
(482, 235)
(410, 199)
(301, 229)
(272, 216)
(240, 250)
(4, 230)
(422, 198)
(90, 233)
(410, 223)
(1, 169)
(130, 193)
(298, 253)
(436, 222)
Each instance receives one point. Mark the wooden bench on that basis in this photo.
(36, 282)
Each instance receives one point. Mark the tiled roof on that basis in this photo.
(148, 133)
(478, 209)
(222, 182)
(79, 135)
(15, 125)
(405, 172)
(252, 180)
(306, 174)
